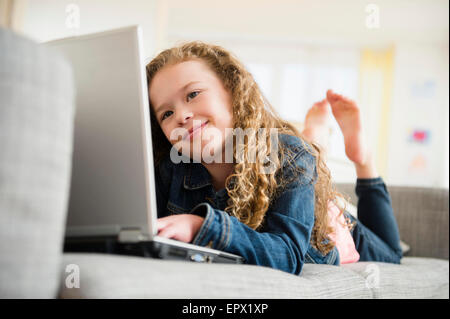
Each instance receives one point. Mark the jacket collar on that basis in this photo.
(197, 176)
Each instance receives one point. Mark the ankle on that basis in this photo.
(366, 169)
(309, 134)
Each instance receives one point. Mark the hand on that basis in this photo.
(181, 227)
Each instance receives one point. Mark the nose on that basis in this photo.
(183, 114)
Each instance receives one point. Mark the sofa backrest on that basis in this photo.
(422, 217)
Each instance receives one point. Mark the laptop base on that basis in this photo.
(149, 249)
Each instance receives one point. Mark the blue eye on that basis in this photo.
(163, 116)
(192, 95)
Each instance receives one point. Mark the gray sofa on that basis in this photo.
(36, 124)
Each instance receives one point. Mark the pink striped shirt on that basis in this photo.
(341, 236)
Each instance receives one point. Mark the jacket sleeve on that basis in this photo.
(286, 234)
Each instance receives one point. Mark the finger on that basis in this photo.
(168, 232)
(160, 225)
(163, 222)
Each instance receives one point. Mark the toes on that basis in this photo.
(332, 97)
(323, 102)
(320, 104)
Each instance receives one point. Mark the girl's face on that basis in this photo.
(190, 91)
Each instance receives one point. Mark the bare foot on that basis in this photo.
(317, 128)
(347, 115)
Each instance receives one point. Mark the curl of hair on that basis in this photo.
(250, 188)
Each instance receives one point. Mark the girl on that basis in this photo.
(277, 218)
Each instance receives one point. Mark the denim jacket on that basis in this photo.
(283, 241)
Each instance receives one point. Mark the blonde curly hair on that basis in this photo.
(253, 189)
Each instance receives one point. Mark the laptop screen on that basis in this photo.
(112, 185)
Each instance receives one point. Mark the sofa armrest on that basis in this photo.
(37, 96)
(422, 217)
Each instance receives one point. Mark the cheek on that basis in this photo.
(227, 114)
(222, 113)
(166, 130)
(226, 119)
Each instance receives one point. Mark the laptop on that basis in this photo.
(112, 203)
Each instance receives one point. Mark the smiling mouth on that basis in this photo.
(190, 134)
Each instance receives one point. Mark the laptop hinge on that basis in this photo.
(131, 235)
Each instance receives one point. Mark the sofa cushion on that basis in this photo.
(414, 278)
(36, 120)
(112, 276)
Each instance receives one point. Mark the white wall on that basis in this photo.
(420, 103)
(45, 20)
(332, 21)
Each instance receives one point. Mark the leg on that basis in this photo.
(317, 128)
(377, 231)
(347, 115)
(376, 219)
(371, 247)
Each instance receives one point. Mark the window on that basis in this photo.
(293, 87)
